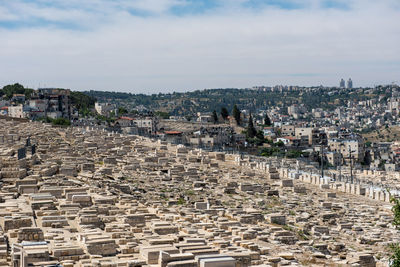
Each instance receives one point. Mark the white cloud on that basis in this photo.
(226, 47)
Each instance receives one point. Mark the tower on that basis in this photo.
(349, 84)
(342, 84)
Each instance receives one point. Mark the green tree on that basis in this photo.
(162, 115)
(395, 258)
(260, 135)
(61, 122)
(367, 158)
(11, 89)
(270, 151)
(58, 121)
(251, 130)
(215, 116)
(83, 102)
(292, 154)
(279, 143)
(236, 114)
(396, 211)
(122, 111)
(267, 120)
(224, 113)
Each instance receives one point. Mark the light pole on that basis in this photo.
(351, 165)
(322, 160)
(340, 161)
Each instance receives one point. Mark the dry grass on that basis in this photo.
(383, 134)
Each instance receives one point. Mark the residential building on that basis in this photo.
(20, 98)
(137, 125)
(288, 130)
(304, 134)
(353, 148)
(53, 102)
(173, 137)
(289, 141)
(4, 103)
(16, 111)
(269, 132)
(334, 158)
(204, 118)
(104, 108)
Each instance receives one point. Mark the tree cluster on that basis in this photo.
(84, 103)
(9, 90)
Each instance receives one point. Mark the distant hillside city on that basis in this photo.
(330, 126)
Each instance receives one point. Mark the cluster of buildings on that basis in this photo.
(289, 88)
(137, 124)
(277, 88)
(81, 197)
(339, 145)
(318, 131)
(302, 129)
(206, 137)
(44, 102)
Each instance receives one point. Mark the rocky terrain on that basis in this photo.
(80, 197)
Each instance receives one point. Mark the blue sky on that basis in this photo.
(38, 13)
(178, 45)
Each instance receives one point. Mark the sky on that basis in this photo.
(152, 46)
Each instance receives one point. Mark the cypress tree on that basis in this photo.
(267, 120)
(236, 114)
(251, 130)
(215, 116)
(224, 113)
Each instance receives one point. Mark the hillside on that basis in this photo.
(214, 99)
(383, 134)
